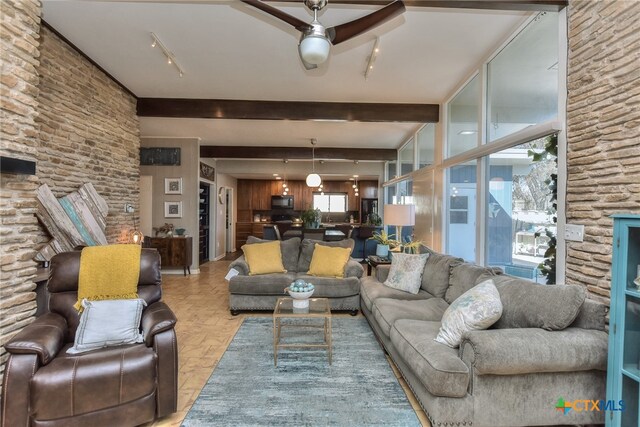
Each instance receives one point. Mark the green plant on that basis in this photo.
(311, 216)
(548, 266)
(374, 219)
(411, 246)
(383, 238)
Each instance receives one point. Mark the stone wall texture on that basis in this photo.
(19, 54)
(89, 132)
(78, 125)
(603, 132)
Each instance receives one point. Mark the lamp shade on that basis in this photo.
(313, 180)
(399, 215)
(314, 49)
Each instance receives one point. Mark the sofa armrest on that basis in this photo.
(44, 337)
(240, 265)
(382, 272)
(531, 350)
(353, 269)
(157, 318)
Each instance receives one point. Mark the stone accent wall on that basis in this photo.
(78, 125)
(89, 132)
(19, 53)
(603, 132)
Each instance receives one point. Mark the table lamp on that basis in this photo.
(400, 215)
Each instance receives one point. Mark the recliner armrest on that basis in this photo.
(44, 337)
(240, 265)
(532, 350)
(353, 269)
(157, 318)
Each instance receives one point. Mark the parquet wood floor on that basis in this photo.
(205, 328)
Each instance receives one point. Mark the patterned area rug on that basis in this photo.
(358, 389)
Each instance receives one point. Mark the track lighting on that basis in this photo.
(171, 59)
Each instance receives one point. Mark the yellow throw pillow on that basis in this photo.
(329, 261)
(264, 258)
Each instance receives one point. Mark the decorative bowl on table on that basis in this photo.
(180, 231)
(300, 291)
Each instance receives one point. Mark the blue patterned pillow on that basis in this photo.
(406, 272)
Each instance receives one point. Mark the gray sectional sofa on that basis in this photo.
(260, 292)
(509, 375)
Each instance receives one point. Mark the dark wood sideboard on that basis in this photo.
(174, 251)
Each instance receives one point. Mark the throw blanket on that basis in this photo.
(108, 272)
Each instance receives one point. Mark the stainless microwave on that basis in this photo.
(281, 202)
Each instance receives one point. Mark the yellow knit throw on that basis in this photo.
(108, 272)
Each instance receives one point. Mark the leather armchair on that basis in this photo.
(124, 385)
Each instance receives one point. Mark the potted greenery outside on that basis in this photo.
(311, 218)
(385, 241)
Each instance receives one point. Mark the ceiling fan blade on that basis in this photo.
(283, 16)
(344, 32)
(307, 65)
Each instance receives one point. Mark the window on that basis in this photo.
(405, 192)
(406, 158)
(426, 144)
(463, 119)
(461, 211)
(518, 206)
(391, 170)
(330, 202)
(523, 79)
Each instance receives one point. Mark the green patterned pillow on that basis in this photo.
(406, 272)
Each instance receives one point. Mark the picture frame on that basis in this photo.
(173, 186)
(207, 172)
(173, 209)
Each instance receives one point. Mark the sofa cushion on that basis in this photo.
(387, 310)
(437, 366)
(406, 272)
(266, 284)
(307, 246)
(435, 278)
(476, 309)
(529, 305)
(331, 287)
(111, 376)
(329, 262)
(464, 277)
(289, 248)
(264, 258)
(371, 289)
(592, 315)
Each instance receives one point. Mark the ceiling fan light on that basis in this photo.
(313, 180)
(314, 49)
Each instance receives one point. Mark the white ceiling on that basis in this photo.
(229, 50)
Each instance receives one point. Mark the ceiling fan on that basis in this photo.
(316, 40)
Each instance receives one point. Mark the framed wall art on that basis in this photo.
(207, 172)
(173, 209)
(173, 186)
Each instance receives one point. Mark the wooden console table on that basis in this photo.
(174, 251)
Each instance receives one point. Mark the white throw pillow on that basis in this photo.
(476, 309)
(108, 323)
(406, 271)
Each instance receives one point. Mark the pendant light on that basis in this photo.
(285, 186)
(313, 179)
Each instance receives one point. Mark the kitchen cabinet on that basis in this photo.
(243, 231)
(261, 195)
(623, 371)
(174, 251)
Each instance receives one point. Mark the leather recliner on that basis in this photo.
(124, 385)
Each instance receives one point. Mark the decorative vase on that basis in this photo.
(382, 251)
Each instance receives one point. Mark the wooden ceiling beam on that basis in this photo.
(231, 152)
(523, 5)
(287, 110)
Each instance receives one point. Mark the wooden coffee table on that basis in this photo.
(318, 308)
